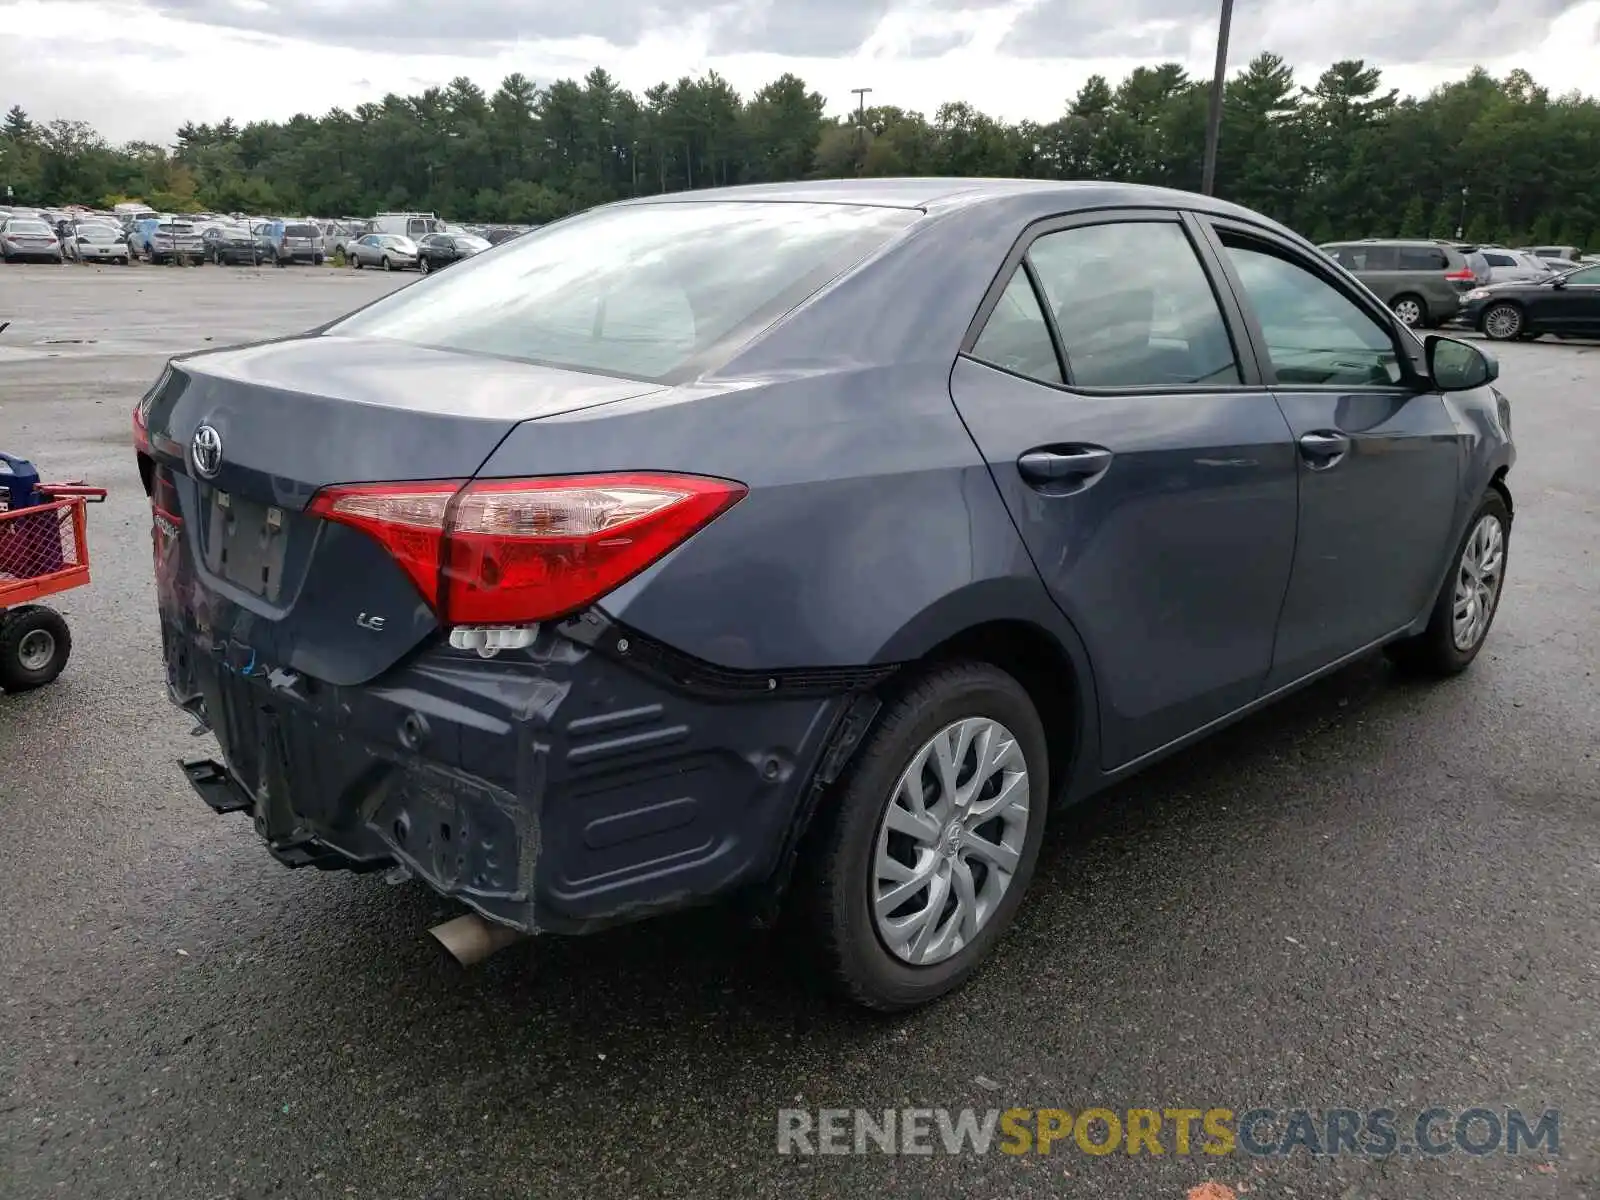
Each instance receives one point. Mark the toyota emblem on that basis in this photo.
(206, 450)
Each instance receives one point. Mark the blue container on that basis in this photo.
(18, 482)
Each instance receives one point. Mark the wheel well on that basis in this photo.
(1399, 296)
(1498, 483)
(1035, 660)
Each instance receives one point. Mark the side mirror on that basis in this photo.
(1558, 282)
(1459, 366)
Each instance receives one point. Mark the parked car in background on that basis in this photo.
(495, 234)
(549, 579)
(164, 240)
(1422, 281)
(28, 239)
(1566, 305)
(296, 241)
(1566, 253)
(236, 244)
(441, 249)
(1560, 265)
(391, 251)
(97, 243)
(412, 225)
(1514, 266)
(339, 234)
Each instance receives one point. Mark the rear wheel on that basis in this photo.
(34, 646)
(1412, 312)
(1468, 601)
(918, 868)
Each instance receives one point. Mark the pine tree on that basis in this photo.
(1413, 222)
(1444, 221)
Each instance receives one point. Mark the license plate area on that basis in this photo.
(244, 542)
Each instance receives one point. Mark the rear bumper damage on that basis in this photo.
(561, 788)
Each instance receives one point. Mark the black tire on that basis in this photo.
(1503, 321)
(387, 265)
(831, 903)
(355, 262)
(25, 633)
(1434, 651)
(1411, 309)
(424, 266)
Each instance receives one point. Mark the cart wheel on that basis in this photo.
(34, 645)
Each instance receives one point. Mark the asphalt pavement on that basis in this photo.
(1378, 894)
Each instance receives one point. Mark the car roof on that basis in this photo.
(945, 193)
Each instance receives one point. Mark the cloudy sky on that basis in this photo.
(137, 68)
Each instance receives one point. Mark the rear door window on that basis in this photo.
(1423, 258)
(1374, 258)
(1133, 307)
(1016, 338)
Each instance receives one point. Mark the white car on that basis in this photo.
(390, 251)
(97, 243)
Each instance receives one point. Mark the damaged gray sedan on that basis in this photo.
(801, 546)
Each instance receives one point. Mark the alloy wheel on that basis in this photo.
(950, 840)
(1478, 580)
(1409, 312)
(1502, 322)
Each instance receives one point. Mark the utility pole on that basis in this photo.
(861, 128)
(1208, 178)
(1461, 229)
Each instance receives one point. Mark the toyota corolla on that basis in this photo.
(802, 547)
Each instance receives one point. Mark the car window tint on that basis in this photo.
(1500, 260)
(1133, 306)
(1583, 277)
(1377, 258)
(1423, 258)
(643, 291)
(1016, 337)
(1314, 333)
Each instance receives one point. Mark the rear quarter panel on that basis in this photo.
(872, 527)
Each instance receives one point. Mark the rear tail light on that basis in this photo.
(1463, 276)
(504, 552)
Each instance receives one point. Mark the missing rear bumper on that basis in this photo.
(216, 787)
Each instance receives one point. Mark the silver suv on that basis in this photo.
(1515, 266)
(1422, 281)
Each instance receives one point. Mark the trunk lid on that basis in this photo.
(240, 440)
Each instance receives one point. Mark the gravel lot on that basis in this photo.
(1375, 895)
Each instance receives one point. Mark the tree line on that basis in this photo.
(1500, 159)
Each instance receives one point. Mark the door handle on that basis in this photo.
(1063, 465)
(1323, 449)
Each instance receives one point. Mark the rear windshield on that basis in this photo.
(15, 226)
(96, 233)
(305, 231)
(644, 291)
